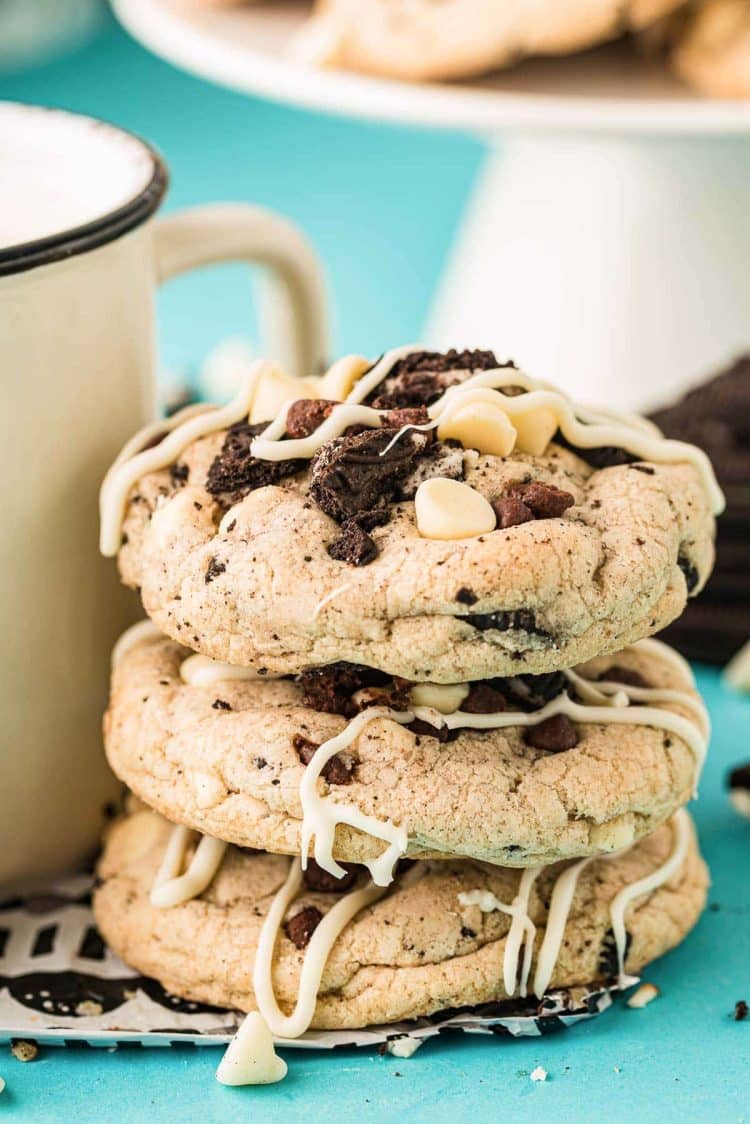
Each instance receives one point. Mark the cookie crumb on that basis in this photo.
(23, 1049)
(89, 1007)
(740, 1011)
(538, 1074)
(643, 995)
(403, 1046)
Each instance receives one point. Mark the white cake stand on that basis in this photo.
(607, 244)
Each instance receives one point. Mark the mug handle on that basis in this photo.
(294, 312)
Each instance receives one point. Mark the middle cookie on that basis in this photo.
(368, 768)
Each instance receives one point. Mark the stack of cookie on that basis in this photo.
(398, 740)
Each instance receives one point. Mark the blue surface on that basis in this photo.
(381, 204)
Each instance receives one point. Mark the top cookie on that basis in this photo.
(460, 38)
(452, 519)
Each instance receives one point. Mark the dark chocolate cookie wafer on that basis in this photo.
(716, 417)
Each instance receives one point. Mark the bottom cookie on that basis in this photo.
(310, 952)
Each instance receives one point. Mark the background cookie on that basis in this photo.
(283, 564)
(713, 416)
(417, 950)
(459, 38)
(227, 759)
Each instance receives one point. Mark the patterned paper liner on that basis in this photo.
(59, 984)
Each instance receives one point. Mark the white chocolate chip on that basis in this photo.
(448, 509)
(277, 389)
(445, 697)
(337, 382)
(483, 427)
(403, 1047)
(643, 995)
(535, 429)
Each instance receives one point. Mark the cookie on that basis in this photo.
(460, 38)
(712, 415)
(228, 755)
(711, 48)
(452, 520)
(440, 937)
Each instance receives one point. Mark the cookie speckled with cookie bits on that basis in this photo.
(443, 517)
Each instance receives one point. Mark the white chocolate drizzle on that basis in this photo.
(608, 705)
(201, 671)
(522, 931)
(172, 886)
(131, 638)
(318, 950)
(582, 427)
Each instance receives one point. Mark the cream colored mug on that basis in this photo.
(81, 256)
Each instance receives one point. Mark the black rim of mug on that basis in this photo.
(78, 240)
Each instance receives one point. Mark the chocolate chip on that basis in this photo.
(554, 734)
(335, 771)
(315, 878)
(235, 472)
(441, 733)
(213, 570)
(483, 699)
(221, 704)
(355, 474)
(353, 545)
(740, 1011)
(505, 620)
(544, 500)
(305, 415)
(511, 512)
(179, 474)
(301, 927)
(628, 676)
(689, 571)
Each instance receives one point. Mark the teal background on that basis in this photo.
(382, 204)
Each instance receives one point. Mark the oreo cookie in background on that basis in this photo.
(716, 416)
(738, 783)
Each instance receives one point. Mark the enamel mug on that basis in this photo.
(81, 256)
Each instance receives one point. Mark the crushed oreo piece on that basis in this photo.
(355, 474)
(506, 620)
(305, 415)
(604, 456)
(511, 511)
(532, 692)
(408, 415)
(330, 688)
(646, 469)
(421, 377)
(740, 1011)
(338, 770)
(221, 704)
(439, 459)
(466, 596)
(467, 933)
(608, 963)
(689, 571)
(353, 545)
(301, 927)
(739, 777)
(235, 471)
(544, 500)
(179, 474)
(315, 878)
(396, 695)
(628, 676)
(214, 568)
(554, 734)
(483, 698)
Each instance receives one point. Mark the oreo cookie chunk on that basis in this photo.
(421, 377)
(738, 783)
(715, 416)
